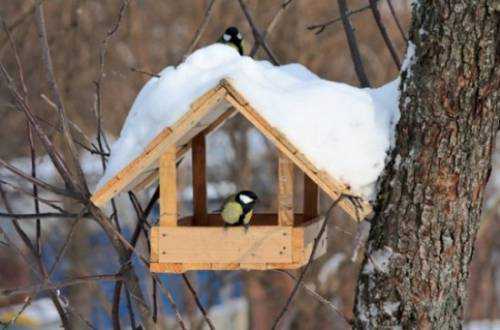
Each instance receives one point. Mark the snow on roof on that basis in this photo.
(343, 130)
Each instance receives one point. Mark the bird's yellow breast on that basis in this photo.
(231, 212)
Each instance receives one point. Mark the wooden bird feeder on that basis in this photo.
(200, 242)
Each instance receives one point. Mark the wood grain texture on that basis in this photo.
(154, 243)
(168, 188)
(199, 180)
(168, 137)
(232, 245)
(300, 240)
(285, 190)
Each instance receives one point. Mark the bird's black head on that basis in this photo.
(247, 197)
(233, 37)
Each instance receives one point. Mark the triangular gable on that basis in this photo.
(207, 113)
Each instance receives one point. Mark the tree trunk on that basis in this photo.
(415, 270)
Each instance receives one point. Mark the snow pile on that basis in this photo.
(343, 130)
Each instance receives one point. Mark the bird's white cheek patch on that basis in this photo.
(226, 37)
(245, 199)
(239, 36)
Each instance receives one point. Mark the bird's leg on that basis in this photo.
(247, 226)
(225, 226)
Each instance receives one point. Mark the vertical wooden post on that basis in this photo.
(199, 180)
(168, 188)
(311, 194)
(285, 191)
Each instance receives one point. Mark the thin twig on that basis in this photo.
(353, 45)
(54, 154)
(38, 216)
(383, 32)
(42, 200)
(198, 302)
(322, 26)
(149, 74)
(257, 34)
(41, 268)
(396, 19)
(316, 242)
(270, 28)
(65, 245)
(201, 28)
(49, 68)
(56, 286)
(75, 129)
(320, 298)
(166, 292)
(40, 183)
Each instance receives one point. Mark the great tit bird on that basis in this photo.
(238, 209)
(232, 37)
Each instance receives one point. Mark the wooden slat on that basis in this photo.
(168, 188)
(285, 190)
(168, 137)
(234, 245)
(301, 241)
(311, 195)
(154, 244)
(199, 180)
(328, 184)
(153, 176)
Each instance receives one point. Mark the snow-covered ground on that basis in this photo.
(344, 130)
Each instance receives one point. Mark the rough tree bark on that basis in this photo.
(415, 271)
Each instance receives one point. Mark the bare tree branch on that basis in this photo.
(322, 26)
(383, 32)
(257, 34)
(41, 268)
(319, 297)
(42, 184)
(47, 61)
(198, 302)
(353, 45)
(47, 202)
(309, 262)
(201, 29)
(398, 23)
(39, 215)
(56, 286)
(270, 28)
(49, 147)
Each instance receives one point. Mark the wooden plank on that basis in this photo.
(328, 184)
(154, 244)
(153, 173)
(168, 137)
(153, 176)
(177, 268)
(285, 190)
(168, 188)
(199, 180)
(311, 195)
(260, 244)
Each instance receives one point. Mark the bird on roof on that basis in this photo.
(238, 209)
(232, 37)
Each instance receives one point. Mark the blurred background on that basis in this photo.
(151, 36)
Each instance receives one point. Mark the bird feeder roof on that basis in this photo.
(206, 114)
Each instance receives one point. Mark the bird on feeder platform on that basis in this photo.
(238, 209)
(232, 37)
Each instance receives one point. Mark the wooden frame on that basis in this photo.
(264, 246)
(206, 114)
(281, 240)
